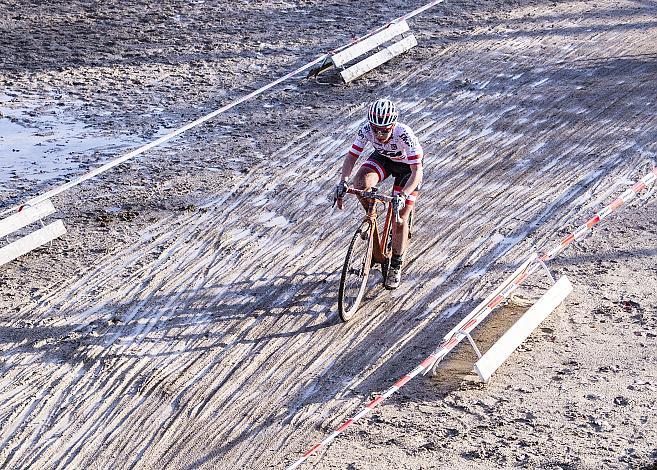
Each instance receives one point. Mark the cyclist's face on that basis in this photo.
(382, 133)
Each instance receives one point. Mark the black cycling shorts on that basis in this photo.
(385, 167)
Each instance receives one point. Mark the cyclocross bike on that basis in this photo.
(368, 246)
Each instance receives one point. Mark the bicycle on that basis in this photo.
(367, 247)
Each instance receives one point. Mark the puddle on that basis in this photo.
(38, 147)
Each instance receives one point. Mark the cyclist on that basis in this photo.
(397, 152)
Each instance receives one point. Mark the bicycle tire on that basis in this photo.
(355, 272)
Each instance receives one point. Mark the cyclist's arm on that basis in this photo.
(414, 180)
(414, 155)
(354, 152)
(348, 166)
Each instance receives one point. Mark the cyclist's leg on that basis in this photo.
(399, 235)
(371, 172)
(400, 229)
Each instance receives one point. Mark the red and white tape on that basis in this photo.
(583, 230)
(454, 337)
(463, 329)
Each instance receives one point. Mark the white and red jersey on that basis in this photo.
(402, 147)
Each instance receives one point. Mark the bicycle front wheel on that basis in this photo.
(355, 271)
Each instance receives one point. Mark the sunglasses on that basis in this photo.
(381, 130)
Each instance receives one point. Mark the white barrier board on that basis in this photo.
(25, 217)
(521, 329)
(360, 48)
(30, 242)
(379, 58)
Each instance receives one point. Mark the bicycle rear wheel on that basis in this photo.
(355, 271)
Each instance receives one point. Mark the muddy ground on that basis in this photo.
(188, 317)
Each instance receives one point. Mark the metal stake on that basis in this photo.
(474, 346)
(546, 270)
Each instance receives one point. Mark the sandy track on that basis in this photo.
(213, 339)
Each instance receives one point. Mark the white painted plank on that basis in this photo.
(379, 58)
(25, 217)
(502, 349)
(30, 242)
(360, 48)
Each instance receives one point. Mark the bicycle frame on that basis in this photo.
(380, 250)
(358, 261)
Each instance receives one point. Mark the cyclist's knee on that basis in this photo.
(365, 179)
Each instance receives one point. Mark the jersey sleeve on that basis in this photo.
(414, 152)
(359, 144)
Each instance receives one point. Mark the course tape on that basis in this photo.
(583, 230)
(463, 329)
(450, 341)
(111, 164)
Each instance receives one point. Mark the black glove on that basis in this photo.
(340, 190)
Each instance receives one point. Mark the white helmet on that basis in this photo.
(382, 113)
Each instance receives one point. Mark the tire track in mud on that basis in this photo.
(582, 179)
(181, 334)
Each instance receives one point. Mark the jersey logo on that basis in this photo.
(390, 154)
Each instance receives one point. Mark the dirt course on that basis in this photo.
(188, 317)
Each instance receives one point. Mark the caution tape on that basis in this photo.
(532, 264)
(585, 229)
(119, 160)
(451, 340)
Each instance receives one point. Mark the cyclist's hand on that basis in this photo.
(399, 202)
(340, 191)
